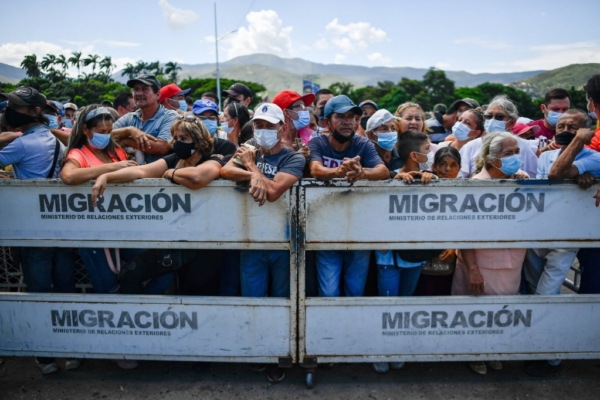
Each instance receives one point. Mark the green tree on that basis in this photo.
(31, 66)
(91, 59)
(48, 62)
(340, 88)
(107, 65)
(75, 60)
(171, 69)
(438, 87)
(129, 70)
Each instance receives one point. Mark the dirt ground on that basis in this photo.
(101, 379)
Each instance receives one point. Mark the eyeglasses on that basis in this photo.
(211, 118)
(188, 118)
(497, 117)
(297, 107)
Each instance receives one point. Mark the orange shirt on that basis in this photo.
(595, 145)
(87, 159)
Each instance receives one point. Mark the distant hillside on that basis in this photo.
(11, 74)
(574, 75)
(277, 73)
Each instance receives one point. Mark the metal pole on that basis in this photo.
(217, 53)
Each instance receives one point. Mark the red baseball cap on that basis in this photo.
(288, 97)
(171, 90)
(519, 129)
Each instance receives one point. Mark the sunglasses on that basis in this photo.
(188, 118)
(497, 117)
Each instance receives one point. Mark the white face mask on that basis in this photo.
(266, 138)
(226, 128)
(426, 166)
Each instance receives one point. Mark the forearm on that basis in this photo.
(76, 176)
(561, 169)
(127, 175)
(377, 173)
(470, 260)
(192, 178)
(61, 135)
(318, 171)
(234, 173)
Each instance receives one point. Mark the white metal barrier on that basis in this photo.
(445, 214)
(147, 214)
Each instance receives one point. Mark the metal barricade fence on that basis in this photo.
(447, 214)
(146, 214)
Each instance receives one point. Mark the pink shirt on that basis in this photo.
(87, 159)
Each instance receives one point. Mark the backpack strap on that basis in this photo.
(56, 151)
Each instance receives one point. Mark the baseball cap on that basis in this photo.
(25, 96)
(72, 106)
(379, 118)
(269, 112)
(440, 108)
(146, 79)
(341, 104)
(237, 89)
(59, 106)
(286, 98)
(204, 105)
(369, 103)
(519, 129)
(171, 90)
(472, 103)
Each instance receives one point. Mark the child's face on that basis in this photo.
(447, 168)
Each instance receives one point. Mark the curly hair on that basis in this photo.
(192, 125)
(405, 106)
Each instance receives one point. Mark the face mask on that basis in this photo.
(226, 128)
(211, 126)
(320, 130)
(493, 125)
(426, 166)
(230, 100)
(564, 138)
(266, 138)
(553, 117)
(342, 139)
(305, 134)
(510, 164)
(99, 140)
(461, 131)
(16, 120)
(387, 141)
(53, 121)
(184, 150)
(363, 122)
(302, 121)
(182, 105)
(69, 123)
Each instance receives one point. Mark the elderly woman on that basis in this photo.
(493, 271)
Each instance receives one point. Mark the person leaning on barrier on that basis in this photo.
(343, 154)
(492, 271)
(500, 116)
(381, 130)
(35, 154)
(272, 170)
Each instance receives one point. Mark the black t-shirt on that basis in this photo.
(223, 146)
(395, 164)
(172, 159)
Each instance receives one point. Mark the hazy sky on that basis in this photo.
(482, 36)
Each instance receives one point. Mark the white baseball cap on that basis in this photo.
(379, 118)
(269, 112)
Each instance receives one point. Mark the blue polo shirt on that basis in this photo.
(31, 155)
(586, 161)
(158, 126)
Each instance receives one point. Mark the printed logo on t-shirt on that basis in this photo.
(269, 170)
(331, 162)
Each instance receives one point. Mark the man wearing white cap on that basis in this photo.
(271, 170)
(381, 129)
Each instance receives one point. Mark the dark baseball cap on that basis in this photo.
(340, 105)
(237, 89)
(146, 79)
(472, 103)
(25, 96)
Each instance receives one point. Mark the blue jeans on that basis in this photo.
(44, 267)
(394, 281)
(546, 269)
(354, 264)
(255, 266)
(589, 262)
(229, 282)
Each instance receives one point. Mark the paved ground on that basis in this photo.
(101, 379)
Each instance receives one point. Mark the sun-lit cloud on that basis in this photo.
(380, 59)
(349, 39)
(177, 18)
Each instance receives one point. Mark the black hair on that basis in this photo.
(211, 95)
(3, 124)
(319, 93)
(592, 88)
(479, 120)
(447, 151)
(410, 141)
(236, 110)
(122, 100)
(246, 133)
(557, 93)
(189, 100)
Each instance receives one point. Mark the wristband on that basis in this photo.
(173, 176)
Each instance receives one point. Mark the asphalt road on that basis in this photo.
(101, 379)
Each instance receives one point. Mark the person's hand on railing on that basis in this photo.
(98, 188)
(258, 189)
(585, 180)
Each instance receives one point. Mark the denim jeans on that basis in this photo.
(546, 269)
(255, 266)
(229, 275)
(44, 267)
(394, 281)
(589, 262)
(353, 263)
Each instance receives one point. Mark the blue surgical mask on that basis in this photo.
(226, 128)
(99, 140)
(68, 123)
(593, 115)
(553, 117)
(387, 141)
(461, 131)
(211, 126)
(53, 121)
(493, 125)
(302, 121)
(183, 105)
(511, 164)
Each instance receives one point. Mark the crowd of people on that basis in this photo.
(159, 132)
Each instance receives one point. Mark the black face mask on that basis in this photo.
(363, 122)
(231, 100)
(342, 139)
(16, 120)
(564, 138)
(184, 150)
